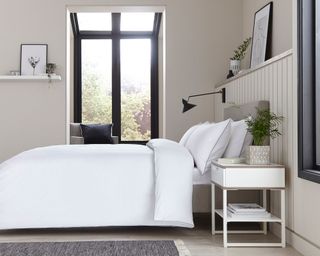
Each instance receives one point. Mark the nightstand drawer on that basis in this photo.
(248, 177)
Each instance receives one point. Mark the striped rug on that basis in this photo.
(96, 248)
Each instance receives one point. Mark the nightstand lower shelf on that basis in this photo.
(227, 219)
(248, 219)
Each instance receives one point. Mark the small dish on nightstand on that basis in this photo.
(235, 160)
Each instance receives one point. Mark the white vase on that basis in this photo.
(258, 155)
(235, 66)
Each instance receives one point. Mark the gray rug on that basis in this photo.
(101, 248)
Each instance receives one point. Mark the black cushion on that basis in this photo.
(97, 133)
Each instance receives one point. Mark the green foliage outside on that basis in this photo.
(135, 108)
(264, 125)
(96, 104)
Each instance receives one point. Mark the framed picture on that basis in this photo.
(261, 35)
(33, 59)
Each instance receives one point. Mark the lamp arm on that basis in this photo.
(203, 94)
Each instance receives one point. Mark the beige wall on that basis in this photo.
(197, 47)
(282, 24)
(34, 114)
(31, 113)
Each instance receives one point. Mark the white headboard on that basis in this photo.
(239, 112)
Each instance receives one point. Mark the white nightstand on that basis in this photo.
(248, 177)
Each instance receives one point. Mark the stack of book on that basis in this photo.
(253, 211)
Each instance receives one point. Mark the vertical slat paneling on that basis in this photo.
(272, 82)
(290, 141)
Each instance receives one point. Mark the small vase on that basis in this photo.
(258, 155)
(230, 74)
(235, 66)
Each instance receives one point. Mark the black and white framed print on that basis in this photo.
(33, 59)
(261, 36)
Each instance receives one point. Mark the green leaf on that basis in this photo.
(263, 126)
(240, 52)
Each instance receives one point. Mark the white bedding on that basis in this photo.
(201, 179)
(97, 185)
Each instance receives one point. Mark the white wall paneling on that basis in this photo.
(276, 81)
(271, 81)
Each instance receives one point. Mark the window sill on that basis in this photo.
(311, 175)
(134, 142)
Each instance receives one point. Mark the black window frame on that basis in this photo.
(116, 35)
(308, 51)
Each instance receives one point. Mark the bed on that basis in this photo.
(199, 178)
(67, 186)
(97, 185)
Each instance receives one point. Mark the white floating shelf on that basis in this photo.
(272, 218)
(31, 78)
(251, 70)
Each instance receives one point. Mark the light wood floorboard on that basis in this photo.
(199, 240)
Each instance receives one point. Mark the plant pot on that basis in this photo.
(258, 155)
(235, 66)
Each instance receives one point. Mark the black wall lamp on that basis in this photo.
(187, 106)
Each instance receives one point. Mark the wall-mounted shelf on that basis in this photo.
(248, 71)
(30, 78)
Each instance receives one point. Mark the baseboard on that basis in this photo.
(301, 244)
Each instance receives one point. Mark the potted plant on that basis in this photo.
(239, 54)
(263, 126)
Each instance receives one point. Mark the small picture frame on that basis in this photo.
(33, 59)
(261, 35)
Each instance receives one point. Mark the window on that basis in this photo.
(96, 73)
(116, 72)
(309, 90)
(132, 21)
(94, 21)
(135, 89)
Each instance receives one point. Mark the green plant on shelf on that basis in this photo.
(240, 52)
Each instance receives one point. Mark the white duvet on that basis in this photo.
(97, 185)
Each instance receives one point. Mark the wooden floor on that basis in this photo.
(199, 240)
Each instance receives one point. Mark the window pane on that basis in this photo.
(137, 21)
(94, 21)
(135, 89)
(96, 81)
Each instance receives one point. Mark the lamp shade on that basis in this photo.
(187, 106)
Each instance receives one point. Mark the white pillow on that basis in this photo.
(187, 134)
(238, 135)
(208, 143)
(247, 142)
